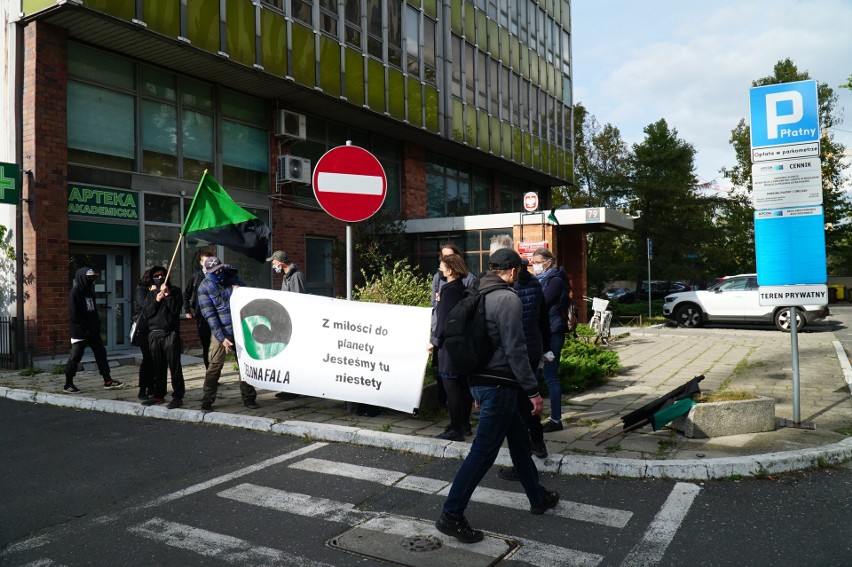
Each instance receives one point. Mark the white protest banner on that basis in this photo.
(369, 353)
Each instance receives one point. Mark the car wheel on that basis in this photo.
(782, 320)
(688, 315)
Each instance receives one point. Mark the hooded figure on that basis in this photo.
(85, 330)
(161, 311)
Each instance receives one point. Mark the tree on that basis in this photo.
(837, 206)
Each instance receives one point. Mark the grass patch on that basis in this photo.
(32, 371)
(58, 369)
(386, 426)
(726, 396)
(584, 422)
(613, 448)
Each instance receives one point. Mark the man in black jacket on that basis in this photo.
(161, 310)
(85, 330)
(192, 311)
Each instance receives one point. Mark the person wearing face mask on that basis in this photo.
(293, 279)
(214, 299)
(495, 388)
(554, 284)
(85, 331)
(146, 368)
(161, 310)
(192, 311)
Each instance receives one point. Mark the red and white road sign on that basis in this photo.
(350, 183)
(531, 201)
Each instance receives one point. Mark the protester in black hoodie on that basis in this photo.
(85, 330)
(146, 368)
(161, 310)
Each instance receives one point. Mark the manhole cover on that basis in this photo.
(421, 543)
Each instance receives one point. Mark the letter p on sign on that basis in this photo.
(775, 103)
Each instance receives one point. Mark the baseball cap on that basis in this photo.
(279, 255)
(504, 259)
(212, 264)
(90, 273)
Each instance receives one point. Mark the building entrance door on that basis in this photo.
(112, 290)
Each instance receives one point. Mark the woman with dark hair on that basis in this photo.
(459, 398)
(140, 338)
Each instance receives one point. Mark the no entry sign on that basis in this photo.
(350, 183)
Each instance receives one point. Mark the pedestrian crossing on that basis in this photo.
(253, 486)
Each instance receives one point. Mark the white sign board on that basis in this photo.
(787, 295)
(361, 352)
(787, 183)
(772, 153)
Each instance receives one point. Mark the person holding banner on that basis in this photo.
(214, 300)
(495, 390)
(459, 400)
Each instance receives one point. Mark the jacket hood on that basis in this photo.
(80, 279)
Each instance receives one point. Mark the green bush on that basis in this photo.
(583, 365)
(399, 285)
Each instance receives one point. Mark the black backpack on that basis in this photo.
(466, 341)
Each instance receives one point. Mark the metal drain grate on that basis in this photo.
(421, 543)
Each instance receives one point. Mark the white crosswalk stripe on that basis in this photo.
(219, 546)
(571, 510)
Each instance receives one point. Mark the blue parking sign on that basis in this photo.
(787, 113)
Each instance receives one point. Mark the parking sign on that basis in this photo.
(787, 113)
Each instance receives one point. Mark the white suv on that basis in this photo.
(734, 299)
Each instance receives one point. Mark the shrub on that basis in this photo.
(583, 366)
(399, 285)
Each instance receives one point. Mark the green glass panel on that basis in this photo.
(273, 42)
(162, 16)
(456, 20)
(458, 120)
(469, 21)
(396, 94)
(100, 67)
(483, 141)
(504, 46)
(375, 86)
(31, 6)
(534, 67)
(329, 78)
(517, 147)
(470, 125)
(506, 140)
(527, 141)
(481, 31)
(566, 15)
(493, 38)
(431, 108)
(558, 86)
(494, 134)
(524, 68)
(554, 167)
(122, 10)
(415, 103)
(568, 160)
(431, 8)
(304, 57)
(202, 17)
(536, 153)
(516, 53)
(102, 232)
(354, 77)
(241, 32)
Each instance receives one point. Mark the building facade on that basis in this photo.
(117, 108)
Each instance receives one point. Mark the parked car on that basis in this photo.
(620, 295)
(734, 299)
(660, 289)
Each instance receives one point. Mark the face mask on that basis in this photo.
(277, 269)
(537, 268)
(159, 281)
(217, 277)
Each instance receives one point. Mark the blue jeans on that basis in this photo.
(498, 419)
(551, 376)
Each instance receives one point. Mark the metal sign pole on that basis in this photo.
(348, 260)
(794, 348)
(650, 255)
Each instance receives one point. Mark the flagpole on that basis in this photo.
(182, 228)
(174, 254)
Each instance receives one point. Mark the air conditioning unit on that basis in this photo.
(290, 125)
(293, 169)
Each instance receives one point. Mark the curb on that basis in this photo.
(685, 469)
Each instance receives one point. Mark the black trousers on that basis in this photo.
(533, 422)
(165, 354)
(204, 335)
(97, 345)
(146, 368)
(459, 402)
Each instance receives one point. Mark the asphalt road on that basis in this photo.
(86, 488)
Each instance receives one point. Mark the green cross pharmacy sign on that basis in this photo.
(9, 183)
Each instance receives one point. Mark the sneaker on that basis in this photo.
(539, 450)
(458, 529)
(508, 473)
(467, 430)
(251, 405)
(549, 500)
(71, 389)
(113, 385)
(154, 401)
(142, 396)
(450, 435)
(286, 396)
(175, 403)
(207, 407)
(552, 426)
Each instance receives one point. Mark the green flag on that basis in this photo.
(214, 217)
(552, 216)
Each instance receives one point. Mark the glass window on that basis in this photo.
(319, 268)
(101, 126)
(412, 41)
(481, 80)
(395, 33)
(469, 74)
(302, 10)
(159, 138)
(566, 53)
(430, 74)
(245, 155)
(352, 13)
(196, 94)
(197, 130)
(328, 17)
(245, 108)
(456, 43)
(374, 28)
(157, 83)
(160, 244)
(162, 208)
(100, 66)
(494, 90)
